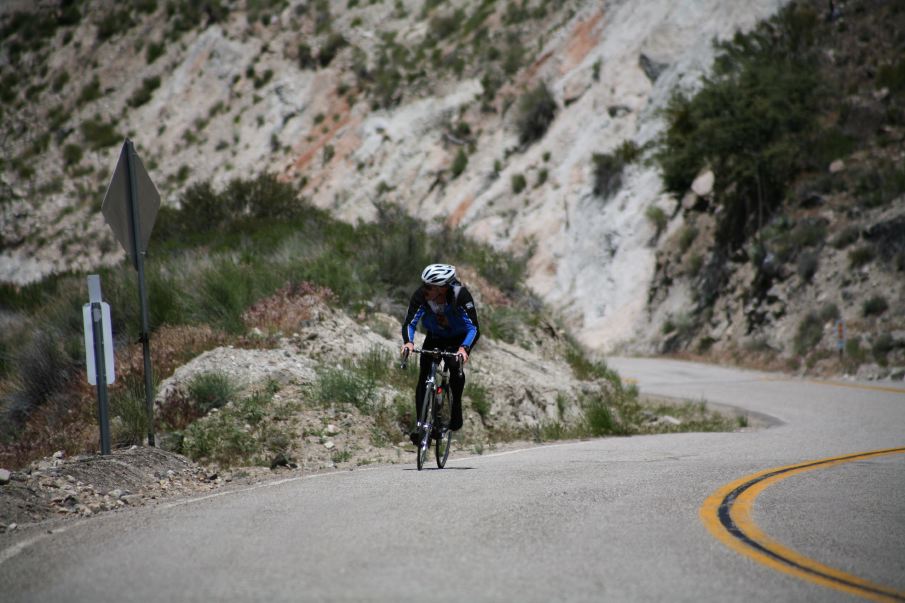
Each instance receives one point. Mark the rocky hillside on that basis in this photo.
(788, 245)
(486, 115)
(531, 125)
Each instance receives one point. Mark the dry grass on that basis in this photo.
(288, 309)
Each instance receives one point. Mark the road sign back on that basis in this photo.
(117, 207)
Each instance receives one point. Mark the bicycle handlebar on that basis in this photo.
(440, 353)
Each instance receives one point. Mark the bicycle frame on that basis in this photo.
(433, 392)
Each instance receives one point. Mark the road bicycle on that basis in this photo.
(437, 408)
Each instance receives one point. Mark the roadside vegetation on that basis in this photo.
(215, 263)
(236, 259)
(232, 258)
(798, 123)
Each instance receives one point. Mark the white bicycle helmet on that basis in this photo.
(438, 274)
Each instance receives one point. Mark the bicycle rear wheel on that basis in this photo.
(444, 414)
(427, 420)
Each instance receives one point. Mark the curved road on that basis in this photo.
(687, 517)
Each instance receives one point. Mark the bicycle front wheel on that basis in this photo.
(427, 420)
(444, 414)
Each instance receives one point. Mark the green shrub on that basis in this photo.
(261, 197)
(657, 217)
(306, 58)
(874, 306)
(201, 207)
(143, 95)
(41, 370)
(91, 91)
(480, 399)
(542, 175)
(332, 45)
(99, 135)
(345, 386)
(751, 121)
(860, 256)
(72, 154)
(154, 51)
(518, 183)
(459, 163)
(113, 22)
(585, 369)
(443, 26)
(59, 81)
(892, 76)
(808, 263)
(503, 323)
(846, 236)
(536, 111)
(854, 354)
(513, 57)
(881, 348)
(829, 312)
(238, 434)
(128, 412)
(607, 174)
(809, 334)
(599, 419)
(223, 293)
(687, 236)
(262, 80)
(211, 390)
(808, 233)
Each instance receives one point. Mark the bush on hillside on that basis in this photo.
(809, 334)
(99, 134)
(143, 94)
(204, 208)
(751, 122)
(608, 168)
(332, 45)
(536, 111)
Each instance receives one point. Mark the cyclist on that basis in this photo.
(446, 309)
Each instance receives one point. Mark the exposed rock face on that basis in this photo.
(611, 68)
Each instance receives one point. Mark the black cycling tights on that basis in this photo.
(457, 384)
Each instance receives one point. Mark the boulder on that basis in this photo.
(5, 476)
(703, 184)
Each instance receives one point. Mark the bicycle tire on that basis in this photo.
(444, 415)
(426, 422)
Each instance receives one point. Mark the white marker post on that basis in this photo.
(99, 352)
(840, 337)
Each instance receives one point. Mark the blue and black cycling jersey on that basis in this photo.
(455, 319)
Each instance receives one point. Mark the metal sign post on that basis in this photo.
(99, 353)
(130, 207)
(840, 337)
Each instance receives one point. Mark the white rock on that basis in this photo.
(703, 184)
(59, 454)
(837, 166)
(329, 445)
(670, 419)
(332, 429)
(5, 476)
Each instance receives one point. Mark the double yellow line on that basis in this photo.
(727, 515)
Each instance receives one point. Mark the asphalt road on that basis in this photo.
(615, 519)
